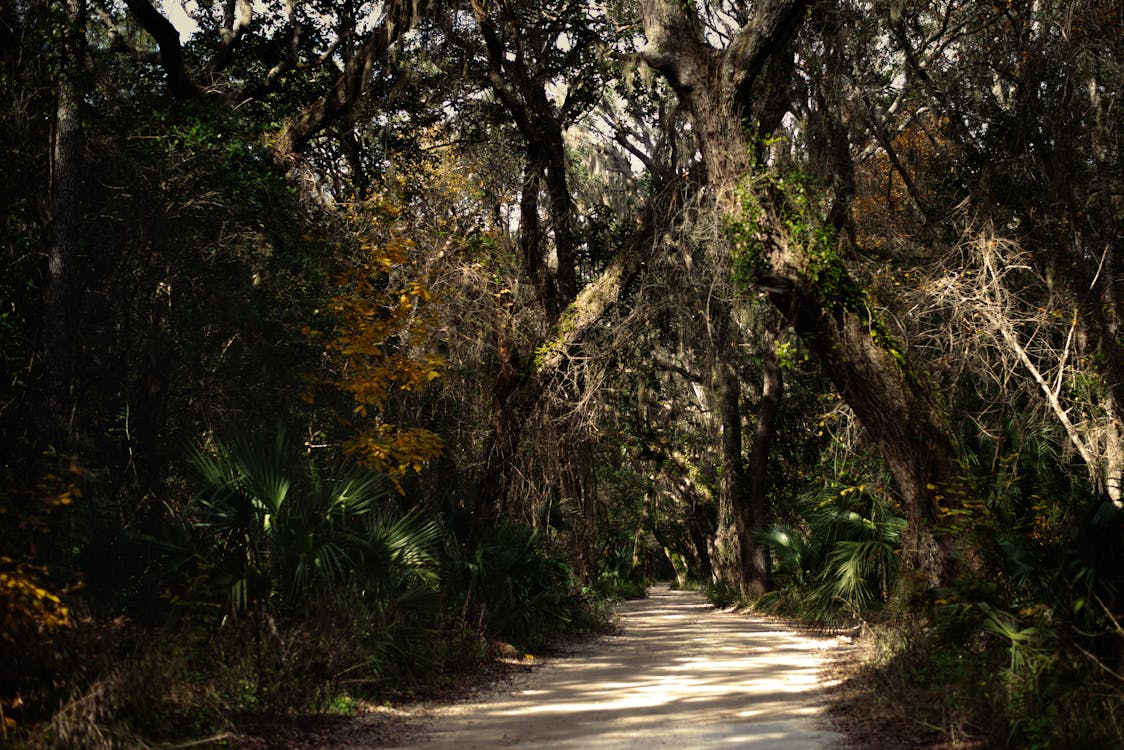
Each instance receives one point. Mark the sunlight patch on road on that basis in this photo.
(678, 675)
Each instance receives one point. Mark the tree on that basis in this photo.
(293, 37)
(799, 264)
(66, 210)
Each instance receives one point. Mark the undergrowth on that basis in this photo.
(285, 590)
(969, 693)
(126, 685)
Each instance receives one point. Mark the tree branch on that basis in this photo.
(352, 83)
(171, 51)
(770, 30)
(237, 15)
(675, 45)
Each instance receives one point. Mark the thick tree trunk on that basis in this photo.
(765, 429)
(561, 216)
(638, 569)
(737, 560)
(893, 401)
(729, 534)
(898, 409)
(532, 240)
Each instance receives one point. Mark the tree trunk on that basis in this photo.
(738, 560)
(514, 395)
(1105, 310)
(729, 536)
(523, 93)
(897, 407)
(532, 242)
(765, 429)
(892, 400)
(60, 295)
(639, 568)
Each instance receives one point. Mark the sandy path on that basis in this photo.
(679, 675)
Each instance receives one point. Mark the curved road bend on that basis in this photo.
(680, 675)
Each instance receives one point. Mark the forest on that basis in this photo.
(344, 340)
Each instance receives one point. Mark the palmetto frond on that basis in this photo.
(789, 551)
(279, 525)
(861, 570)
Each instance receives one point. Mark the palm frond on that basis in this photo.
(861, 570)
(788, 549)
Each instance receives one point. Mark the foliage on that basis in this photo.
(613, 585)
(30, 603)
(1001, 659)
(304, 583)
(388, 320)
(805, 226)
(37, 602)
(24, 603)
(210, 680)
(947, 174)
(517, 589)
(278, 527)
(843, 558)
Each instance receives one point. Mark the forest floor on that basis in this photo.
(676, 673)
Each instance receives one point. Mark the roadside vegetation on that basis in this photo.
(1019, 658)
(280, 589)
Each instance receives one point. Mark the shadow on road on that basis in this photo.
(680, 674)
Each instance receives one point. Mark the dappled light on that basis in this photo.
(679, 673)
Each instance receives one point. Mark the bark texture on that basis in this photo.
(732, 540)
(764, 431)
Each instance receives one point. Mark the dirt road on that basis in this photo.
(680, 674)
